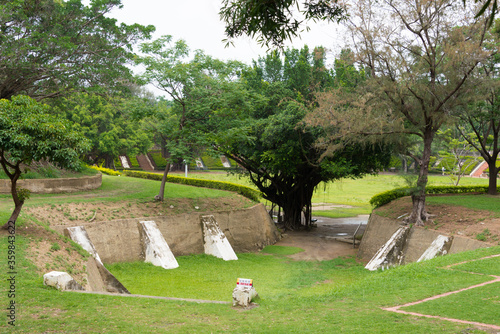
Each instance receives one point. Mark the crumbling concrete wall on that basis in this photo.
(380, 229)
(247, 230)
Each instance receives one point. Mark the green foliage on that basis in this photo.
(55, 247)
(390, 195)
(274, 22)
(49, 47)
(106, 171)
(109, 124)
(242, 190)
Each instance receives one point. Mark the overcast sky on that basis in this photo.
(198, 23)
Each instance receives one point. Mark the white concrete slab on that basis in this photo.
(216, 243)
(436, 248)
(384, 256)
(156, 250)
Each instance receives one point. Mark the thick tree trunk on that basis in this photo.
(161, 193)
(492, 184)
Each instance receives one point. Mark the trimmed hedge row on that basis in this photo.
(247, 192)
(390, 195)
(106, 171)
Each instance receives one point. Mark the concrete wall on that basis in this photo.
(49, 186)
(247, 230)
(380, 229)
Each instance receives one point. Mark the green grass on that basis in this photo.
(351, 192)
(480, 202)
(119, 188)
(281, 250)
(337, 296)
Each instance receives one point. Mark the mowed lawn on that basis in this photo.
(336, 296)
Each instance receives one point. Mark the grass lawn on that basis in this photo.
(336, 296)
(348, 192)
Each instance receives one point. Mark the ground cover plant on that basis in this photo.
(351, 196)
(295, 296)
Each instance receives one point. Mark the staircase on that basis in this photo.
(145, 163)
(478, 171)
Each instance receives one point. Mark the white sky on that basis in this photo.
(198, 23)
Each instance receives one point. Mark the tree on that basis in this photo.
(48, 47)
(109, 123)
(28, 133)
(274, 22)
(456, 156)
(479, 120)
(420, 62)
(197, 87)
(275, 146)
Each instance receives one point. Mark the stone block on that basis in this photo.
(243, 296)
(61, 281)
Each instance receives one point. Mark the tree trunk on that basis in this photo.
(161, 193)
(419, 214)
(492, 184)
(18, 203)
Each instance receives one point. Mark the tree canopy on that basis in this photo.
(28, 133)
(278, 150)
(48, 47)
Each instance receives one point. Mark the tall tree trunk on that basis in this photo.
(419, 213)
(492, 184)
(161, 193)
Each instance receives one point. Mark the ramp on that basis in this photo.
(215, 241)
(391, 253)
(440, 246)
(155, 248)
(79, 235)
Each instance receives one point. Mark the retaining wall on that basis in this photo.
(49, 186)
(247, 230)
(380, 229)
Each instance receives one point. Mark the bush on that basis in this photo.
(247, 192)
(390, 195)
(106, 171)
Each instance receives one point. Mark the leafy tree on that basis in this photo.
(29, 133)
(110, 124)
(198, 88)
(278, 150)
(273, 22)
(479, 121)
(48, 47)
(418, 74)
(456, 156)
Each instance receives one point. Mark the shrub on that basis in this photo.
(106, 171)
(390, 195)
(247, 192)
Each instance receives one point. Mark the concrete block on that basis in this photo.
(156, 250)
(61, 281)
(215, 241)
(391, 253)
(439, 246)
(243, 296)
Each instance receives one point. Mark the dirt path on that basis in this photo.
(322, 243)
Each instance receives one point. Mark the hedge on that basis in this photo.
(247, 192)
(106, 171)
(390, 195)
